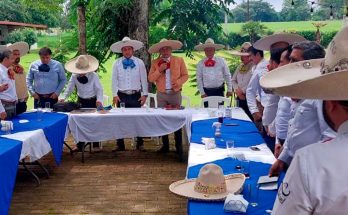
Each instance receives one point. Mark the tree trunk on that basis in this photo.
(81, 20)
(138, 28)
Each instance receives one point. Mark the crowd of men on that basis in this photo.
(289, 120)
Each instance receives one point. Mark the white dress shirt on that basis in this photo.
(270, 109)
(168, 77)
(316, 179)
(10, 94)
(242, 79)
(254, 88)
(213, 77)
(130, 78)
(285, 112)
(91, 89)
(308, 126)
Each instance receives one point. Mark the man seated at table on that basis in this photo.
(212, 71)
(46, 79)
(8, 96)
(129, 81)
(169, 73)
(86, 81)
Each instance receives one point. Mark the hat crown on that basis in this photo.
(245, 46)
(163, 40)
(209, 41)
(336, 58)
(126, 39)
(211, 180)
(82, 62)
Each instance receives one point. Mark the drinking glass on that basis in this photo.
(47, 106)
(123, 106)
(230, 147)
(253, 191)
(39, 113)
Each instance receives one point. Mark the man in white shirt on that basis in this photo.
(129, 81)
(8, 95)
(212, 71)
(317, 178)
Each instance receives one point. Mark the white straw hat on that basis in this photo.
(325, 79)
(22, 47)
(126, 41)
(209, 43)
(243, 50)
(266, 43)
(82, 64)
(174, 44)
(211, 184)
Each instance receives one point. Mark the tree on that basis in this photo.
(322, 12)
(27, 35)
(300, 11)
(13, 10)
(254, 30)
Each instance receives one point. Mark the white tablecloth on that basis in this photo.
(132, 122)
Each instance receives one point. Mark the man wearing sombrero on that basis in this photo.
(86, 82)
(212, 71)
(129, 81)
(316, 181)
(242, 76)
(169, 73)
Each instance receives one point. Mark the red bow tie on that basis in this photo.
(210, 62)
(163, 61)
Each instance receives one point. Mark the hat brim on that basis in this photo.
(117, 47)
(201, 47)
(185, 188)
(237, 53)
(22, 47)
(296, 81)
(70, 66)
(266, 42)
(174, 44)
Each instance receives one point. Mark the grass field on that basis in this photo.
(282, 26)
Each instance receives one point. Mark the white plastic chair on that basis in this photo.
(151, 96)
(187, 101)
(214, 101)
(106, 100)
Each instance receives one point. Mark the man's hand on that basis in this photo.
(61, 100)
(229, 94)
(277, 150)
(240, 94)
(203, 96)
(11, 73)
(142, 100)
(98, 104)
(35, 96)
(276, 168)
(3, 115)
(163, 67)
(257, 117)
(54, 96)
(3, 87)
(175, 85)
(115, 101)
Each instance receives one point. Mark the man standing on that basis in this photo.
(46, 79)
(241, 77)
(20, 49)
(169, 73)
(212, 71)
(8, 96)
(129, 81)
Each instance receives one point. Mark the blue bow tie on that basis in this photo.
(127, 62)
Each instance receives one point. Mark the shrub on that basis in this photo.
(26, 35)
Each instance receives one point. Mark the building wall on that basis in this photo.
(3, 33)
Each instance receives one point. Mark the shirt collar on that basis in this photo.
(343, 129)
(2, 67)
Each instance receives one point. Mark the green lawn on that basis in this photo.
(281, 26)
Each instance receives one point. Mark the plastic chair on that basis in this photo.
(215, 101)
(151, 96)
(106, 100)
(187, 100)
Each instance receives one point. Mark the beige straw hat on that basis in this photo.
(126, 41)
(243, 50)
(209, 43)
(211, 184)
(325, 79)
(266, 43)
(174, 44)
(82, 64)
(22, 47)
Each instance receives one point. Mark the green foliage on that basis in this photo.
(236, 39)
(326, 37)
(156, 34)
(13, 10)
(15, 36)
(300, 11)
(253, 30)
(27, 35)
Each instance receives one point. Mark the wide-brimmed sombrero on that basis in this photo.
(324, 79)
(22, 47)
(243, 50)
(82, 64)
(126, 41)
(268, 42)
(174, 44)
(211, 184)
(209, 43)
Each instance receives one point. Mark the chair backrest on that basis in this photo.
(151, 96)
(187, 101)
(106, 100)
(215, 101)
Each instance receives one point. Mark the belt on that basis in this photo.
(129, 92)
(45, 96)
(5, 102)
(90, 98)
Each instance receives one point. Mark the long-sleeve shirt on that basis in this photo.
(9, 94)
(91, 89)
(213, 77)
(316, 180)
(241, 77)
(52, 81)
(308, 126)
(254, 88)
(130, 78)
(283, 117)
(270, 109)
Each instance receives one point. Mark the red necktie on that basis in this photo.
(209, 63)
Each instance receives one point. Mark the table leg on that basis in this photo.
(70, 149)
(43, 168)
(31, 173)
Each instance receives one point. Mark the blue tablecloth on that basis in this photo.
(53, 125)
(244, 135)
(10, 151)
